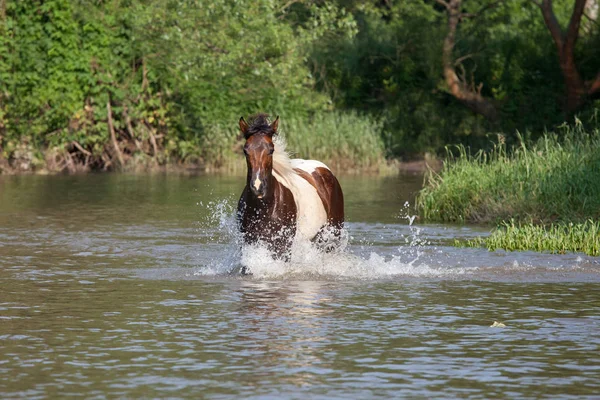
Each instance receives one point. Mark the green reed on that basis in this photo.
(556, 178)
(346, 141)
(555, 238)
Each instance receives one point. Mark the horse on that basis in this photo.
(286, 198)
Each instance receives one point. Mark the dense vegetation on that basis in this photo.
(543, 195)
(556, 178)
(107, 84)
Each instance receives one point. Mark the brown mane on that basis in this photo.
(259, 123)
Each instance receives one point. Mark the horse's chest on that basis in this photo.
(268, 222)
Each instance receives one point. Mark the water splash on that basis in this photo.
(415, 243)
(405, 214)
(309, 262)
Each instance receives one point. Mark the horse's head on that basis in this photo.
(259, 150)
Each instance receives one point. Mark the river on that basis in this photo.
(118, 286)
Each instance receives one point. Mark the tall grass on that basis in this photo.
(346, 141)
(556, 238)
(556, 178)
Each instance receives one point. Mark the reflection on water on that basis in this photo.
(110, 286)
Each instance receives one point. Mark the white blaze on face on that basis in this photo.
(256, 183)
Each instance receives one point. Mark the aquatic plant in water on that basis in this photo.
(555, 238)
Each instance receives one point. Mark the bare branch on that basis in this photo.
(458, 86)
(459, 60)
(595, 85)
(591, 18)
(152, 139)
(81, 149)
(576, 88)
(463, 73)
(574, 23)
(130, 130)
(443, 3)
(552, 24)
(287, 5)
(483, 9)
(113, 137)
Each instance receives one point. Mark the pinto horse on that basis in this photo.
(285, 198)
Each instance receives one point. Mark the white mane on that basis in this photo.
(281, 159)
(310, 211)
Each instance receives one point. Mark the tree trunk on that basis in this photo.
(574, 86)
(460, 89)
(577, 90)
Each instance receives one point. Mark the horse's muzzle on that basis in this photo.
(259, 190)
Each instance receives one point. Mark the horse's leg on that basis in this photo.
(328, 239)
(245, 271)
(281, 247)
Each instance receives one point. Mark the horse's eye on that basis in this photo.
(245, 151)
(271, 151)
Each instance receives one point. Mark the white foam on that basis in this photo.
(412, 258)
(308, 262)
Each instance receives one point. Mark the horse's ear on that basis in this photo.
(243, 126)
(275, 124)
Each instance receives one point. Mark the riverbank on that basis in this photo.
(235, 166)
(350, 143)
(542, 196)
(346, 141)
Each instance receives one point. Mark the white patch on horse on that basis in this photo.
(307, 165)
(284, 166)
(311, 214)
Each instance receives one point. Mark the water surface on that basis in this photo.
(117, 286)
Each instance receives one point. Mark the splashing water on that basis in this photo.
(308, 261)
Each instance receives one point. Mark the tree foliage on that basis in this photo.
(501, 50)
(97, 82)
(100, 84)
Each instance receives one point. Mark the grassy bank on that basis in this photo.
(556, 178)
(543, 196)
(555, 238)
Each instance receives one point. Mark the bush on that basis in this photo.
(105, 85)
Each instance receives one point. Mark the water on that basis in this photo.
(117, 286)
